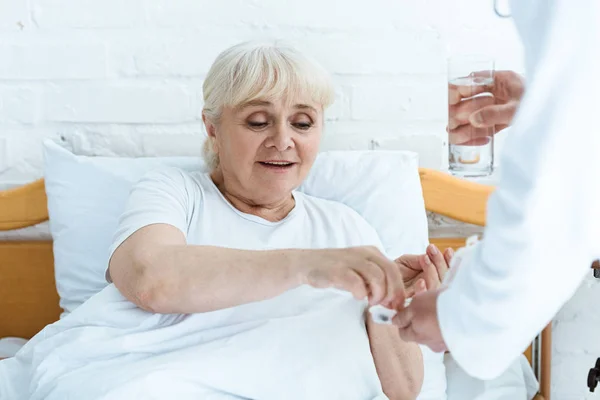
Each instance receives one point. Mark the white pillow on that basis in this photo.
(86, 196)
(383, 187)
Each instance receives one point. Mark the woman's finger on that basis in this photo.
(394, 280)
(352, 282)
(410, 262)
(374, 276)
(395, 283)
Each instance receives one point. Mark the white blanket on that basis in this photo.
(9, 346)
(110, 349)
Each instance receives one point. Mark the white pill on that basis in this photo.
(384, 315)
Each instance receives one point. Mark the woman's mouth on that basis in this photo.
(277, 165)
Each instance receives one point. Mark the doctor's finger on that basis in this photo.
(439, 261)
(461, 112)
(408, 334)
(448, 255)
(404, 318)
(430, 273)
(458, 92)
(469, 135)
(501, 114)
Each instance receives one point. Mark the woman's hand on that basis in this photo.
(425, 271)
(364, 271)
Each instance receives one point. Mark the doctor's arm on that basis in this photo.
(542, 229)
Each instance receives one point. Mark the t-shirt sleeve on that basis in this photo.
(159, 197)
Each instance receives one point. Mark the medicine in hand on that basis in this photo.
(384, 315)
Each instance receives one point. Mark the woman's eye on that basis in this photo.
(303, 125)
(257, 124)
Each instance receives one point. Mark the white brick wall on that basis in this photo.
(87, 14)
(14, 14)
(107, 102)
(19, 104)
(49, 61)
(124, 78)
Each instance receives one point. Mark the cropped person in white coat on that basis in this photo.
(543, 220)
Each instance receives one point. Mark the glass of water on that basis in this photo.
(470, 149)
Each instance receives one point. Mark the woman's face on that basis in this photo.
(267, 148)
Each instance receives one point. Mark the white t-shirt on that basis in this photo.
(192, 203)
(314, 340)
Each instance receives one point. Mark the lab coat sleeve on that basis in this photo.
(543, 220)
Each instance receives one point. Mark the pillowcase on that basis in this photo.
(383, 187)
(86, 196)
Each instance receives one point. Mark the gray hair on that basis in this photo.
(257, 70)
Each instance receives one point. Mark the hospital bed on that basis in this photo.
(29, 300)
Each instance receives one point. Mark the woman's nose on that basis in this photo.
(282, 137)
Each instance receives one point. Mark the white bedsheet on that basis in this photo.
(124, 336)
(9, 346)
(508, 386)
(518, 382)
(110, 349)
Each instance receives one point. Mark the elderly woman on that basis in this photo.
(231, 284)
(241, 234)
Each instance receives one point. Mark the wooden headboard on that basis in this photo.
(28, 297)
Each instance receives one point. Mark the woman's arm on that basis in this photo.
(399, 364)
(155, 269)
(158, 271)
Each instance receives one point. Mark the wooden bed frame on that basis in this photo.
(29, 301)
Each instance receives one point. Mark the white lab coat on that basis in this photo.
(543, 227)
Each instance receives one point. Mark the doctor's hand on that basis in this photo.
(471, 118)
(428, 269)
(418, 322)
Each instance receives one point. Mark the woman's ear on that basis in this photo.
(209, 126)
(211, 131)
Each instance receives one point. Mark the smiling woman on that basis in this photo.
(263, 112)
(215, 263)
